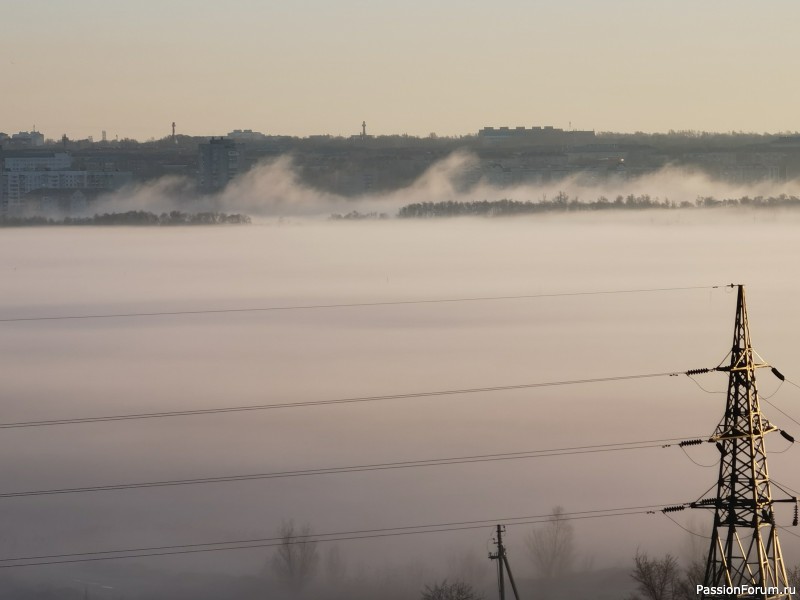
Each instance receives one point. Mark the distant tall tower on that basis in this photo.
(105, 138)
(364, 129)
(174, 141)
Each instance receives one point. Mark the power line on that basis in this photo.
(686, 529)
(432, 462)
(354, 400)
(699, 464)
(785, 414)
(98, 555)
(793, 383)
(783, 485)
(358, 534)
(789, 531)
(351, 305)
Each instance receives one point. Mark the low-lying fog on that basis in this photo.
(275, 188)
(75, 368)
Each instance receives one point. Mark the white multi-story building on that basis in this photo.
(46, 161)
(26, 173)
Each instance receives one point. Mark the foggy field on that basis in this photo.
(53, 369)
(309, 300)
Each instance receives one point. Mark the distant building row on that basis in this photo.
(23, 139)
(537, 135)
(34, 182)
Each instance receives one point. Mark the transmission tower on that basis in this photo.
(744, 559)
(502, 565)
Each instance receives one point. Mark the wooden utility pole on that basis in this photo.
(502, 565)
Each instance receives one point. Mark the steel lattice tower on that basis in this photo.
(745, 550)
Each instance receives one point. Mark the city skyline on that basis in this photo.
(78, 68)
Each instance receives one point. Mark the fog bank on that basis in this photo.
(275, 189)
(55, 369)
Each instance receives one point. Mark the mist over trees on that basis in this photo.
(132, 217)
(794, 575)
(296, 559)
(658, 579)
(676, 578)
(335, 566)
(468, 566)
(301, 569)
(562, 202)
(552, 546)
(456, 590)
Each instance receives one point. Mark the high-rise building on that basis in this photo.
(220, 161)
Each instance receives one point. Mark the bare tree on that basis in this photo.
(694, 555)
(296, 559)
(693, 575)
(695, 549)
(794, 576)
(335, 567)
(469, 567)
(458, 590)
(552, 546)
(658, 579)
(396, 582)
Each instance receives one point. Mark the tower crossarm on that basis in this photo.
(730, 369)
(738, 434)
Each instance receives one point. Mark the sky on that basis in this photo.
(450, 67)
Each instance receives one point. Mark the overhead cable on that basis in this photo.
(353, 400)
(349, 305)
(432, 462)
(99, 555)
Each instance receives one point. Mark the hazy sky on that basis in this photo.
(444, 66)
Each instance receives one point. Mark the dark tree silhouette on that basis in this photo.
(552, 546)
(657, 579)
(458, 590)
(296, 559)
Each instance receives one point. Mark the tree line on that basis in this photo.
(301, 570)
(131, 217)
(552, 559)
(562, 202)
(300, 567)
